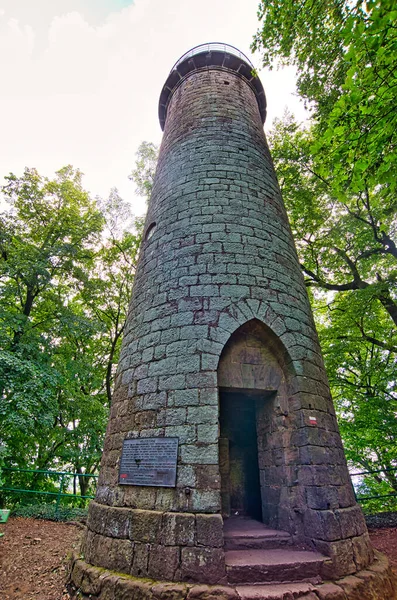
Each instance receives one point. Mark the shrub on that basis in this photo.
(49, 512)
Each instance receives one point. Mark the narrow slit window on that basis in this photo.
(150, 231)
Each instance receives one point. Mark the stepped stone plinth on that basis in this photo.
(222, 408)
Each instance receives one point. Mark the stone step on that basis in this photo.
(280, 591)
(277, 565)
(244, 534)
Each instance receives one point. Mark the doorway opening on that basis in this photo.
(238, 446)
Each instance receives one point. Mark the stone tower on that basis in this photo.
(222, 437)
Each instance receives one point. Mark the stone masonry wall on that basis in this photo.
(220, 254)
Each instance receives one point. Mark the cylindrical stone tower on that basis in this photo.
(222, 437)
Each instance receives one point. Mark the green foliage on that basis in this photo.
(66, 270)
(362, 378)
(50, 513)
(343, 215)
(345, 241)
(346, 60)
(349, 261)
(376, 493)
(145, 167)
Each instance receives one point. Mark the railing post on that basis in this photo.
(59, 495)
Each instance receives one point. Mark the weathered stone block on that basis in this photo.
(205, 592)
(208, 434)
(209, 396)
(77, 573)
(355, 589)
(145, 525)
(172, 382)
(322, 497)
(163, 562)
(203, 454)
(141, 559)
(121, 555)
(322, 525)
(330, 591)
(178, 529)
(201, 380)
(351, 521)
(169, 591)
(97, 515)
(346, 495)
(171, 416)
(209, 530)
(132, 589)
(118, 523)
(202, 414)
(146, 386)
(341, 555)
(185, 476)
(208, 477)
(166, 366)
(185, 433)
(188, 397)
(362, 551)
(202, 565)
(107, 585)
(112, 553)
(206, 501)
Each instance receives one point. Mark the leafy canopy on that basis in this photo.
(346, 59)
(66, 270)
(338, 178)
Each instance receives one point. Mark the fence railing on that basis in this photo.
(64, 477)
(363, 499)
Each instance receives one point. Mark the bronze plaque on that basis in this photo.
(149, 461)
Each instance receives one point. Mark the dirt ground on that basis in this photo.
(385, 540)
(33, 557)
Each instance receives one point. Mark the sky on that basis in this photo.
(81, 79)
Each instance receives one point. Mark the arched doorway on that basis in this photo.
(252, 375)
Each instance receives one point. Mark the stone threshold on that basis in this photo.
(376, 582)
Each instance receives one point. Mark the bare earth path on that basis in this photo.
(33, 557)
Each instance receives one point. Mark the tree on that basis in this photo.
(108, 291)
(145, 167)
(345, 55)
(362, 377)
(345, 241)
(348, 256)
(47, 239)
(66, 272)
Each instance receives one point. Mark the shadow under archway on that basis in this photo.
(253, 375)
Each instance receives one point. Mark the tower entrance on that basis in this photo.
(252, 397)
(238, 447)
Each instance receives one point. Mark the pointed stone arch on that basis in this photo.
(267, 362)
(255, 373)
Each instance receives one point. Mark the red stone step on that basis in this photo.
(277, 565)
(281, 591)
(244, 534)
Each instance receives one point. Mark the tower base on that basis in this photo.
(377, 582)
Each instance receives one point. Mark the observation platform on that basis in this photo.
(213, 55)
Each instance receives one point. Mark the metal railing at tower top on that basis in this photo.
(212, 47)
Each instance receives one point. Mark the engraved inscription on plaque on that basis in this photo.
(149, 461)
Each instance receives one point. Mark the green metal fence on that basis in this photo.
(64, 478)
(380, 473)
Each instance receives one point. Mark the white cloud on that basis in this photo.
(81, 86)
